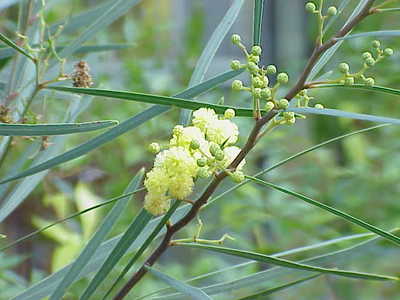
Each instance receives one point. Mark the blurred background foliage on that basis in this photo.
(164, 39)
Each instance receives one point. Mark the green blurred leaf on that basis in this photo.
(257, 21)
(380, 33)
(180, 286)
(287, 263)
(10, 43)
(387, 235)
(52, 129)
(102, 232)
(375, 88)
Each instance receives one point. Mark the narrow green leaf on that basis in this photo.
(257, 21)
(6, 3)
(332, 19)
(120, 129)
(52, 129)
(287, 263)
(375, 88)
(211, 48)
(10, 43)
(387, 235)
(344, 114)
(180, 286)
(383, 10)
(119, 250)
(279, 288)
(380, 33)
(154, 99)
(144, 246)
(97, 239)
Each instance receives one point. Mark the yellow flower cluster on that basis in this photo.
(193, 151)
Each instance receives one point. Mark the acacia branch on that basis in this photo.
(250, 143)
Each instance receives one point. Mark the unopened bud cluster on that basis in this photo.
(370, 59)
(311, 7)
(196, 151)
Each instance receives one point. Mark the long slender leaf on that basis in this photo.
(91, 247)
(287, 263)
(154, 99)
(180, 286)
(280, 287)
(257, 21)
(344, 114)
(343, 4)
(52, 129)
(10, 43)
(375, 88)
(211, 48)
(119, 250)
(120, 129)
(380, 33)
(387, 235)
(383, 10)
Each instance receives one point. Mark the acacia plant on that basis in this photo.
(203, 147)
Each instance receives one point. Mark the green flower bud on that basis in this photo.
(237, 176)
(265, 93)
(332, 11)
(203, 173)
(237, 85)
(235, 39)
(310, 7)
(266, 81)
(229, 113)
(287, 115)
(201, 162)
(256, 50)
(291, 121)
(282, 78)
(388, 52)
(253, 68)
(154, 148)
(344, 68)
(370, 62)
(210, 161)
(254, 58)
(349, 81)
(178, 130)
(271, 69)
(369, 81)
(214, 148)
(283, 103)
(219, 155)
(235, 65)
(257, 93)
(194, 145)
(376, 44)
(258, 82)
(269, 106)
(366, 55)
(319, 106)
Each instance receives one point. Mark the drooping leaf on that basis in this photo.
(257, 21)
(375, 88)
(377, 34)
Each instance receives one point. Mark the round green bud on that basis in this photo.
(271, 69)
(257, 93)
(349, 81)
(237, 176)
(235, 65)
(235, 39)
(256, 50)
(376, 44)
(178, 130)
(214, 148)
(210, 161)
(310, 7)
(269, 106)
(344, 68)
(287, 115)
(219, 155)
(194, 145)
(201, 162)
(283, 103)
(253, 68)
(229, 113)
(332, 11)
(282, 78)
(254, 58)
(265, 93)
(258, 82)
(370, 62)
(266, 80)
(366, 55)
(319, 106)
(369, 81)
(388, 52)
(237, 85)
(154, 148)
(203, 173)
